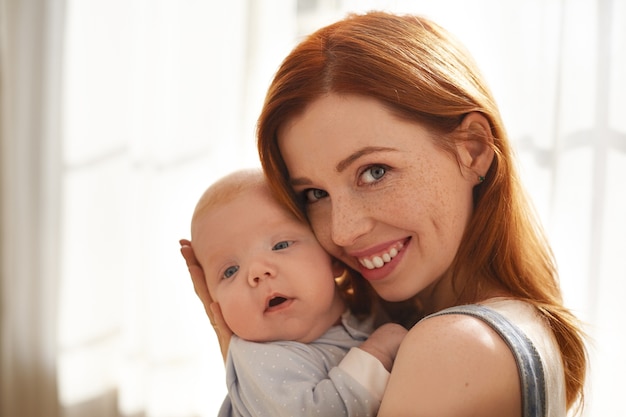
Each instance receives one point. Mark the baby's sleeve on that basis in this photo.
(367, 370)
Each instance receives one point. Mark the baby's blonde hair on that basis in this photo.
(226, 189)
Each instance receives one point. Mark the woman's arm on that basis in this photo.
(453, 365)
(212, 309)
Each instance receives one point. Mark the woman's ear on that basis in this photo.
(475, 151)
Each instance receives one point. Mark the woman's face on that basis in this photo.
(380, 195)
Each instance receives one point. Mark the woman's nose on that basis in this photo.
(349, 221)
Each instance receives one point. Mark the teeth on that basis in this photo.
(380, 260)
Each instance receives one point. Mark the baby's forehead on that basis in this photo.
(234, 223)
(249, 203)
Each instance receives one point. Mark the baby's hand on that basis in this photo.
(384, 342)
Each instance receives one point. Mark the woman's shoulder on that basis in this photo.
(461, 334)
(453, 364)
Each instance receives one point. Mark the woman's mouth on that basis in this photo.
(380, 259)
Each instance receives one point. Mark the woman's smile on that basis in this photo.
(377, 263)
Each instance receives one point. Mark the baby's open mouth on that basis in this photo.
(277, 301)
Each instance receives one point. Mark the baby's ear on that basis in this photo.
(475, 151)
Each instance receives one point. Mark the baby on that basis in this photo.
(295, 348)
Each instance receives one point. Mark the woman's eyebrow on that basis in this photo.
(299, 181)
(345, 163)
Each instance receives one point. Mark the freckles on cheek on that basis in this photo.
(449, 215)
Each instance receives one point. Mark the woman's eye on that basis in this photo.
(282, 245)
(373, 174)
(230, 271)
(314, 194)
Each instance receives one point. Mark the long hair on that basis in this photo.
(421, 73)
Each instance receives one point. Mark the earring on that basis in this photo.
(481, 178)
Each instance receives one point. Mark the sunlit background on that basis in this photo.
(116, 114)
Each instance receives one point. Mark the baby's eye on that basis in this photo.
(373, 173)
(314, 194)
(282, 245)
(230, 271)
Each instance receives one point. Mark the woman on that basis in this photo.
(380, 131)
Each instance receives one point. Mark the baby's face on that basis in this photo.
(270, 276)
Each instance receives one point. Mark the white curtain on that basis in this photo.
(30, 63)
(116, 114)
